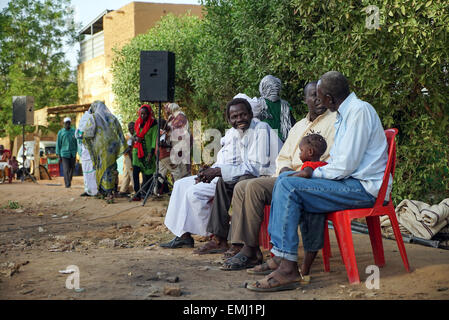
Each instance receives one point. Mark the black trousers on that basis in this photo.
(68, 166)
(136, 180)
(219, 219)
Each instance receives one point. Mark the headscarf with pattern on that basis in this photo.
(270, 88)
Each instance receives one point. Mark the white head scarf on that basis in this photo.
(254, 102)
(86, 127)
(173, 107)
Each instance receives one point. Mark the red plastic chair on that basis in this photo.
(341, 221)
(342, 224)
(264, 237)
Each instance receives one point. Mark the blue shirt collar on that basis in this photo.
(343, 108)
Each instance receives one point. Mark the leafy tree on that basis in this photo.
(401, 68)
(32, 61)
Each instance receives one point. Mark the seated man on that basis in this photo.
(251, 196)
(5, 155)
(352, 178)
(249, 151)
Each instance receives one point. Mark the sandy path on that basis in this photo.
(113, 247)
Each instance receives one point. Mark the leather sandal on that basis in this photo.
(239, 262)
(231, 252)
(275, 281)
(211, 247)
(178, 242)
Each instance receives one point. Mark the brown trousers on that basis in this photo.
(248, 202)
(219, 217)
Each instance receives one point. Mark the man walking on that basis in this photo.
(66, 148)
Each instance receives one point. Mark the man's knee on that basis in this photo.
(240, 189)
(256, 189)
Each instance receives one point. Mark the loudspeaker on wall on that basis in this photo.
(157, 76)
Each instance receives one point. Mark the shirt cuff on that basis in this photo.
(317, 173)
(226, 173)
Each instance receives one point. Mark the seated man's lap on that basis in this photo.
(323, 195)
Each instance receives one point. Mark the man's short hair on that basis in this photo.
(307, 86)
(237, 101)
(334, 84)
(317, 142)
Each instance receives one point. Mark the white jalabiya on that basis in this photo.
(90, 182)
(251, 152)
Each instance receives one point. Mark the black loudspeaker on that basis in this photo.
(23, 110)
(157, 76)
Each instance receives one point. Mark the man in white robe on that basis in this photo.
(249, 149)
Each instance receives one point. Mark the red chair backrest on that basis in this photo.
(391, 165)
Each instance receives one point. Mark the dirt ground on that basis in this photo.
(115, 247)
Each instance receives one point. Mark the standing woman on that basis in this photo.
(106, 145)
(143, 151)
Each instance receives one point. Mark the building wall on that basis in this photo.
(119, 27)
(146, 16)
(93, 81)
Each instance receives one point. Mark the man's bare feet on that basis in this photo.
(287, 278)
(265, 268)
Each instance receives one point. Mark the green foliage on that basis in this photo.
(12, 205)
(422, 170)
(240, 41)
(31, 58)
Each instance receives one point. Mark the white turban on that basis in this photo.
(254, 102)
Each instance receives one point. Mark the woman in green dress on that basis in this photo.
(105, 145)
(143, 150)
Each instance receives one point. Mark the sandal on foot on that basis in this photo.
(211, 247)
(273, 282)
(239, 262)
(305, 280)
(231, 252)
(264, 269)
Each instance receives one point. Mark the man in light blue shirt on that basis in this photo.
(351, 179)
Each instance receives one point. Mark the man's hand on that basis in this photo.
(200, 176)
(206, 175)
(304, 173)
(284, 169)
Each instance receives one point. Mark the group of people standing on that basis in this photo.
(99, 140)
(140, 155)
(333, 159)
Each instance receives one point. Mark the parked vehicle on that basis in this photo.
(46, 148)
